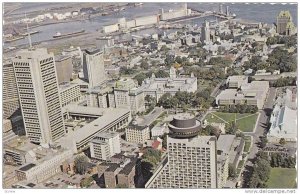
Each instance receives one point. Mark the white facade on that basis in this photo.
(191, 163)
(38, 94)
(93, 67)
(69, 93)
(137, 134)
(105, 145)
(10, 91)
(43, 170)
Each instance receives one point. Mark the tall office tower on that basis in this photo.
(64, 68)
(191, 159)
(10, 91)
(205, 32)
(93, 67)
(227, 10)
(220, 8)
(38, 95)
(285, 21)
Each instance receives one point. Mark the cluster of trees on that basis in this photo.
(231, 128)
(81, 164)
(150, 159)
(210, 131)
(220, 61)
(126, 71)
(261, 171)
(277, 160)
(150, 103)
(224, 36)
(285, 81)
(142, 76)
(283, 60)
(239, 108)
(186, 100)
(86, 182)
(289, 41)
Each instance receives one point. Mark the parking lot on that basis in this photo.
(63, 181)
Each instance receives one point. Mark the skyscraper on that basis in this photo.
(191, 159)
(93, 67)
(38, 95)
(10, 91)
(205, 32)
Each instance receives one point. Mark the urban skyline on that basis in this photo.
(180, 96)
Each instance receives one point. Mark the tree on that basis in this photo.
(86, 182)
(263, 141)
(140, 78)
(231, 171)
(263, 169)
(231, 128)
(81, 164)
(145, 65)
(282, 141)
(161, 74)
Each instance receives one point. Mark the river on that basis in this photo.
(253, 11)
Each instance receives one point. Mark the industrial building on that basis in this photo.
(39, 95)
(105, 144)
(182, 170)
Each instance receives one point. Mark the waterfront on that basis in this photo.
(254, 12)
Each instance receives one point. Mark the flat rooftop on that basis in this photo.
(225, 142)
(27, 167)
(107, 134)
(106, 117)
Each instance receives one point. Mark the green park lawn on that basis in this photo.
(282, 178)
(245, 124)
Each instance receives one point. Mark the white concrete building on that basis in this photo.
(69, 93)
(105, 145)
(283, 124)
(93, 67)
(39, 95)
(137, 134)
(42, 170)
(10, 92)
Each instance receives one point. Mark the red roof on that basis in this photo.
(155, 144)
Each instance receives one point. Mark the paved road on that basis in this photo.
(261, 128)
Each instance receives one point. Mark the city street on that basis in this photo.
(260, 129)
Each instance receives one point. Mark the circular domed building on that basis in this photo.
(184, 125)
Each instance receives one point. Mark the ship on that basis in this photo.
(33, 32)
(59, 35)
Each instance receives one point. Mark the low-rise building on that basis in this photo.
(254, 93)
(45, 168)
(156, 87)
(229, 152)
(283, 124)
(98, 120)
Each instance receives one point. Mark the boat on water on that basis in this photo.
(13, 39)
(33, 32)
(59, 35)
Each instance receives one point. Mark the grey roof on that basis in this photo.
(224, 143)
